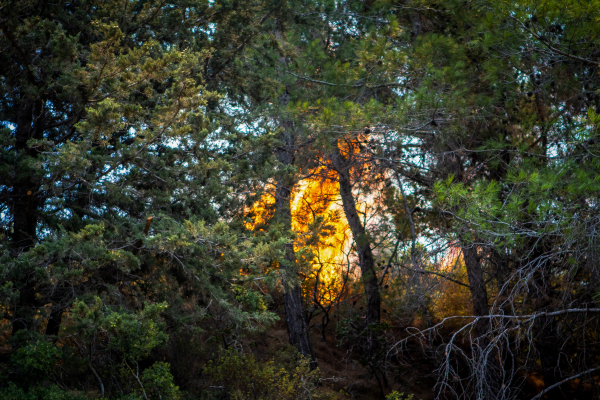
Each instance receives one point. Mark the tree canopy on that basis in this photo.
(398, 180)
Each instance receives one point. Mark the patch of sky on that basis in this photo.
(9, 125)
(209, 30)
(399, 90)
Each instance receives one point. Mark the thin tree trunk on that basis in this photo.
(365, 254)
(23, 207)
(295, 314)
(477, 286)
(489, 381)
(366, 261)
(54, 322)
(24, 197)
(547, 337)
(98, 379)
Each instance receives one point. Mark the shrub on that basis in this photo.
(13, 392)
(242, 376)
(399, 396)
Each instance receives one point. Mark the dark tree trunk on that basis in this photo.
(373, 346)
(547, 345)
(365, 254)
(295, 314)
(547, 339)
(24, 200)
(490, 382)
(24, 204)
(477, 286)
(57, 310)
(54, 321)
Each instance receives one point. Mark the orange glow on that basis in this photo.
(453, 299)
(319, 223)
(261, 211)
(316, 209)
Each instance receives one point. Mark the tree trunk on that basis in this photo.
(295, 314)
(477, 286)
(365, 254)
(547, 345)
(372, 347)
(23, 205)
(489, 382)
(546, 333)
(24, 201)
(54, 322)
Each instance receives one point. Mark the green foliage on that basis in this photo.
(243, 376)
(53, 392)
(132, 335)
(124, 176)
(37, 358)
(135, 136)
(250, 299)
(399, 396)
(158, 382)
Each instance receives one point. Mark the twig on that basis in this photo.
(554, 49)
(389, 262)
(138, 379)
(438, 274)
(97, 378)
(543, 392)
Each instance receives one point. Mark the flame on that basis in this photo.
(261, 211)
(320, 225)
(319, 221)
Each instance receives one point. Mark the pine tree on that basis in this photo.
(117, 202)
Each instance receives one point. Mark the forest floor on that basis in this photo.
(341, 372)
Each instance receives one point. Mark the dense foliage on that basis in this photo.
(399, 179)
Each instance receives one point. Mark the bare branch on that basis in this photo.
(543, 392)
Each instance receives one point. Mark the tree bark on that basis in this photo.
(489, 383)
(23, 205)
(295, 314)
(56, 311)
(24, 202)
(373, 346)
(477, 286)
(365, 254)
(547, 338)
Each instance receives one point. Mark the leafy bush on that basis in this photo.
(158, 382)
(35, 358)
(13, 392)
(399, 396)
(132, 335)
(242, 376)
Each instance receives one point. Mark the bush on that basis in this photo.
(399, 396)
(241, 376)
(13, 392)
(158, 382)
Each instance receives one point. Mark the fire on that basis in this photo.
(320, 225)
(319, 222)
